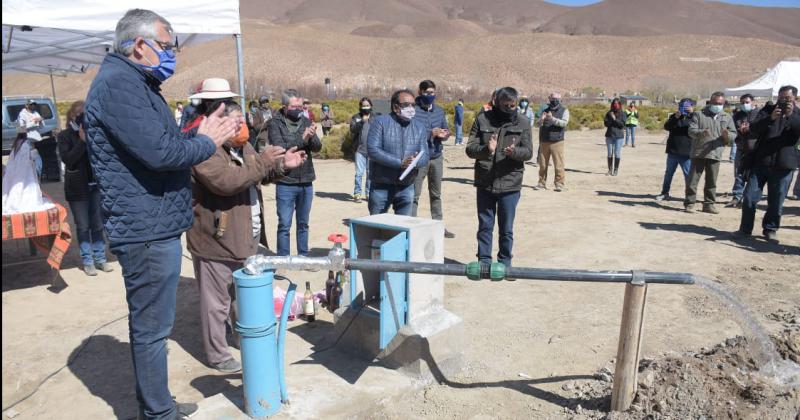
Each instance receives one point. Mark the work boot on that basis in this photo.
(734, 203)
(710, 208)
(689, 208)
(771, 236)
(89, 270)
(739, 234)
(104, 267)
(186, 410)
(616, 166)
(229, 366)
(610, 166)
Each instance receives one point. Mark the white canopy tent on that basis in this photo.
(58, 37)
(785, 73)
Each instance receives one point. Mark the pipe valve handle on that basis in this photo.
(337, 238)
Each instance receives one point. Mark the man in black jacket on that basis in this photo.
(773, 162)
(500, 143)
(745, 140)
(289, 128)
(679, 145)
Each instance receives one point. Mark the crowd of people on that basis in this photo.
(139, 175)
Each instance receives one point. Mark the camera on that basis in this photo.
(783, 105)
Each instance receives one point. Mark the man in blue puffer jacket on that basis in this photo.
(394, 140)
(142, 167)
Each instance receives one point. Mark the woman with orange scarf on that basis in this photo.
(228, 218)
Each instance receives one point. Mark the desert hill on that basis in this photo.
(303, 55)
(437, 18)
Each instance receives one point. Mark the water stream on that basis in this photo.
(785, 372)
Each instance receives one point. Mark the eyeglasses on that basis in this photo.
(166, 46)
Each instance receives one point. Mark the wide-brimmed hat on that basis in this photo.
(214, 88)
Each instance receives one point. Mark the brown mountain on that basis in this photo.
(303, 56)
(657, 17)
(447, 18)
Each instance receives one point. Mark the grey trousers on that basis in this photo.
(217, 301)
(433, 171)
(711, 168)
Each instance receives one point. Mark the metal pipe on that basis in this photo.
(240, 66)
(406, 267)
(523, 273)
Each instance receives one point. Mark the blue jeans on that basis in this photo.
(151, 271)
(797, 185)
(362, 167)
(738, 176)
(383, 196)
(614, 147)
(293, 198)
(673, 161)
(630, 134)
(89, 224)
(777, 181)
(459, 134)
(504, 205)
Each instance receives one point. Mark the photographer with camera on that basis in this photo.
(777, 129)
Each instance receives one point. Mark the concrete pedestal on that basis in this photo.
(430, 343)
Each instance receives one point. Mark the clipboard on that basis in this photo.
(412, 165)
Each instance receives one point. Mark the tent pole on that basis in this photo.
(10, 34)
(53, 88)
(240, 63)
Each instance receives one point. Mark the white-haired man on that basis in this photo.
(142, 166)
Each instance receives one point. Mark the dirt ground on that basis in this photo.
(531, 346)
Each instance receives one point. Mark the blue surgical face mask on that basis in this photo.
(166, 64)
(715, 109)
(747, 107)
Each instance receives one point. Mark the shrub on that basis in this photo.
(337, 144)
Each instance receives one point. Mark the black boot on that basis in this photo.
(610, 166)
(616, 166)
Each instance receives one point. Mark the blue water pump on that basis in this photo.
(262, 354)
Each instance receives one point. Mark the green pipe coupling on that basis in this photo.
(494, 271)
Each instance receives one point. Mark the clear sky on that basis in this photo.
(772, 3)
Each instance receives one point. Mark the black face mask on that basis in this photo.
(366, 111)
(505, 114)
(554, 103)
(294, 114)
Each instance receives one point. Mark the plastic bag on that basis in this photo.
(278, 299)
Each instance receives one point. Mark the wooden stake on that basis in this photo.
(630, 340)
